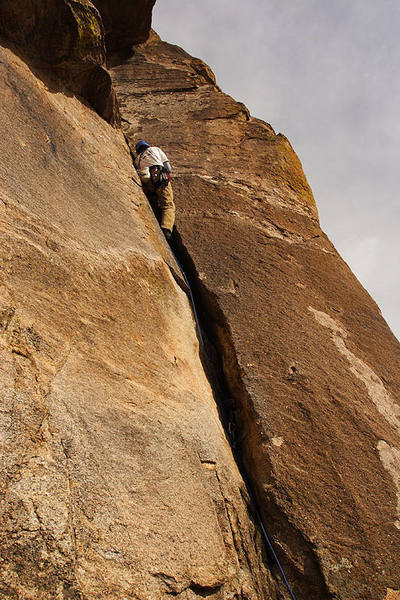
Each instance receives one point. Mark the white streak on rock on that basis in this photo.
(383, 401)
(277, 441)
(390, 458)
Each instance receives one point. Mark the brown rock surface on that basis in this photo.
(68, 36)
(311, 365)
(116, 479)
(126, 22)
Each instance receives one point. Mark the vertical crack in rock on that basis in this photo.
(240, 424)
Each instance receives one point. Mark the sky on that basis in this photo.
(327, 75)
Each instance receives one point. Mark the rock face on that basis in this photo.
(116, 479)
(68, 36)
(311, 366)
(126, 22)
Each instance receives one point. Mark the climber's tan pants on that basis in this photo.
(165, 200)
(165, 203)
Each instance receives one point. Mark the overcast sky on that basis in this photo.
(326, 73)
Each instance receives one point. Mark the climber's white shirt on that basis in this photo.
(150, 157)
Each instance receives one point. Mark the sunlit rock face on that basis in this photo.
(116, 479)
(312, 368)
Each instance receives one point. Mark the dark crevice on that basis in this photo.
(20, 353)
(162, 91)
(222, 117)
(204, 591)
(241, 424)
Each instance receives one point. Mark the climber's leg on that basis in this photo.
(166, 205)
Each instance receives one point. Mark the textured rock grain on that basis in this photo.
(313, 368)
(116, 479)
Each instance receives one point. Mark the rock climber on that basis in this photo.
(154, 170)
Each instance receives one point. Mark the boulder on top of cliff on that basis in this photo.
(126, 22)
(68, 35)
(57, 31)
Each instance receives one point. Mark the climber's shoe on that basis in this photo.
(167, 233)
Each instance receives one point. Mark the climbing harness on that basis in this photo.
(159, 176)
(232, 437)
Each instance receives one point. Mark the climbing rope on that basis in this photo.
(250, 492)
(266, 536)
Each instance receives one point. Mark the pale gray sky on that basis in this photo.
(327, 75)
